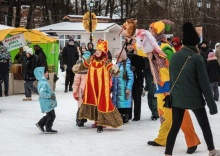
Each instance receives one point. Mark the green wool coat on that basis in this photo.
(193, 83)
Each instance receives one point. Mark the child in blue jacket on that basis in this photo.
(47, 99)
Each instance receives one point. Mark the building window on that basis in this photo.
(63, 39)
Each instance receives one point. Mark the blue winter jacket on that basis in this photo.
(45, 91)
(120, 86)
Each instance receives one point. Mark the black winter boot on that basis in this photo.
(70, 88)
(99, 129)
(40, 126)
(50, 131)
(6, 93)
(77, 117)
(191, 150)
(125, 118)
(81, 122)
(0, 94)
(42, 123)
(66, 89)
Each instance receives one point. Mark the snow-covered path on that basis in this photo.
(20, 137)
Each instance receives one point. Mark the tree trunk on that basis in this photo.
(76, 7)
(10, 12)
(30, 19)
(107, 7)
(122, 10)
(126, 8)
(18, 13)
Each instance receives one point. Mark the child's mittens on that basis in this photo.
(53, 97)
(115, 68)
(75, 97)
(128, 94)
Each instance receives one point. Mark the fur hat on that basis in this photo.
(82, 44)
(190, 36)
(30, 51)
(123, 55)
(25, 48)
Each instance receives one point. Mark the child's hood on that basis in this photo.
(39, 73)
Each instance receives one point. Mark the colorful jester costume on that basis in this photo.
(97, 104)
(165, 114)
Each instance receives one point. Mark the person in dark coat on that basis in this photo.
(137, 65)
(213, 73)
(150, 87)
(5, 65)
(189, 71)
(90, 47)
(18, 57)
(70, 56)
(61, 59)
(29, 78)
(42, 59)
(204, 50)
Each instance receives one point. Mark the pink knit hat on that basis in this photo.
(123, 55)
(211, 54)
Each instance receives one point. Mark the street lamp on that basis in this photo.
(91, 5)
(208, 5)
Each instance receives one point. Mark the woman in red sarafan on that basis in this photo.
(97, 104)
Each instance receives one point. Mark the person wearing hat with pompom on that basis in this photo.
(189, 71)
(157, 29)
(97, 104)
(122, 86)
(29, 78)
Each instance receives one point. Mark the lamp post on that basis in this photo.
(91, 5)
(208, 5)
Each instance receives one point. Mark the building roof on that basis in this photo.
(4, 27)
(81, 16)
(78, 26)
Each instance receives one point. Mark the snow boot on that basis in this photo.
(40, 126)
(154, 117)
(81, 122)
(50, 131)
(66, 89)
(6, 93)
(214, 153)
(77, 117)
(27, 99)
(0, 94)
(191, 150)
(125, 118)
(70, 88)
(99, 129)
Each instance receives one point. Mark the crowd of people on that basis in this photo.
(110, 94)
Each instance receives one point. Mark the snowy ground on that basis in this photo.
(20, 137)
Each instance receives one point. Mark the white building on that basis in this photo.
(105, 31)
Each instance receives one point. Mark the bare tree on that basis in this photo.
(10, 12)
(18, 13)
(30, 19)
